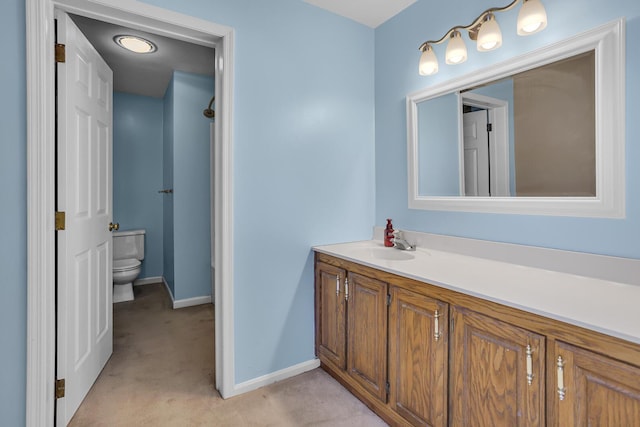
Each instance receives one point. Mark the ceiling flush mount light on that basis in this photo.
(135, 44)
(485, 30)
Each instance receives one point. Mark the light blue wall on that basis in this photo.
(167, 183)
(438, 146)
(13, 216)
(137, 172)
(396, 58)
(303, 163)
(191, 186)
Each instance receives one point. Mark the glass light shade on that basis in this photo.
(428, 62)
(489, 35)
(456, 50)
(135, 44)
(531, 18)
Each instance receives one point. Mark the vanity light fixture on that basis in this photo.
(485, 30)
(135, 44)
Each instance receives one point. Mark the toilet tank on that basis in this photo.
(128, 244)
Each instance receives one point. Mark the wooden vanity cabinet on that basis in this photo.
(396, 352)
(422, 355)
(351, 326)
(593, 390)
(497, 371)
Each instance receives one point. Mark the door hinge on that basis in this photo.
(60, 221)
(489, 127)
(451, 326)
(387, 388)
(60, 53)
(388, 299)
(60, 388)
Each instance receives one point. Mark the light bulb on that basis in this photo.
(428, 62)
(135, 44)
(456, 50)
(531, 18)
(489, 35)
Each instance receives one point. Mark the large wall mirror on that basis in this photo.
(540, 134)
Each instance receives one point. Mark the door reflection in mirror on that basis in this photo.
(475, 125)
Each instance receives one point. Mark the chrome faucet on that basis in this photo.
(400, 243)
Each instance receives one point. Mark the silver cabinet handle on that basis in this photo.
(529, 365)
(337, 285)
(346, 289)
(436, 323)
(561, 390)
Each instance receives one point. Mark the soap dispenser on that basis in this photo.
(388, 234)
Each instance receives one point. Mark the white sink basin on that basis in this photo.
(389, 254)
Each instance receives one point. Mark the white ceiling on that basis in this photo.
(147, 74)
(368, 12)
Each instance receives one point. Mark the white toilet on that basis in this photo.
(128, 253)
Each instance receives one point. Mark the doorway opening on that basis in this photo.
(41, 349)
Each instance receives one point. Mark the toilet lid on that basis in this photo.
(125, 264)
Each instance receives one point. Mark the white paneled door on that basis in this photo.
(476, 154)
(84, 193)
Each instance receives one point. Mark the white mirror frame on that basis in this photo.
(608, 41)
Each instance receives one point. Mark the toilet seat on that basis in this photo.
(126, 264)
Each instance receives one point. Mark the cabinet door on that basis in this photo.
(597, 390)
(418, 349)
(367, 334)
(497, 373)
(330, 315)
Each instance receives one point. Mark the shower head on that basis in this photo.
(208, 112)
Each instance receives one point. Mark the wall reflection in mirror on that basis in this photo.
(530, 134)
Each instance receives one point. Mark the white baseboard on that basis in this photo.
(274, 377)
(148, 281)
(188, 302)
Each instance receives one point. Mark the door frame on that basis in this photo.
(41, 251)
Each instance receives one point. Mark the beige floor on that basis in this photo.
(161, 373)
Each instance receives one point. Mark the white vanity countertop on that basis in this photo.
(609, 307)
